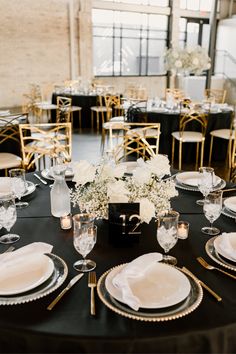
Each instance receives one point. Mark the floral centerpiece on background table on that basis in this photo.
(187, 60)
(97, 186)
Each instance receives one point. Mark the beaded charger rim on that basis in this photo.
(196, 296)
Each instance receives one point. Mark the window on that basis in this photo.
(193, 32)
(197, 5)
(128, 43)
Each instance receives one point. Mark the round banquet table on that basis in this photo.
(69, 327)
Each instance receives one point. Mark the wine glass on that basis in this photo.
(212, 209)
(8, 218)
(18, 185)
(205, 182)
(167, 233)
(84, 241)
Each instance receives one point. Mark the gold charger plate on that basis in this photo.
(154, 315)
(214, 255)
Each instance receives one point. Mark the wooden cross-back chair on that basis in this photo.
(10, 155)
(190, 136)
(139, 139)
(44, 140)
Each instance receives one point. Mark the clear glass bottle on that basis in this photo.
(60, 193)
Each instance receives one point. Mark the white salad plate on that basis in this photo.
(30, 278)
(160, 287)
(191, 178)
(230, 203)
(219, 246)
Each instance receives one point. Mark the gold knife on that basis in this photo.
(218, 298)
(62, 293)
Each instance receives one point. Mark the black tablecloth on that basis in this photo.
(170, 123)
(69, 327)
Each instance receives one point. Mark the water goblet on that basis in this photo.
(205, 182)
(84, 240)
(212, 210)
(167, 233)
(18, 185)
(8, 218)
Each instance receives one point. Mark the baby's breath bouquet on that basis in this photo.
(97, 186)
(188, 60)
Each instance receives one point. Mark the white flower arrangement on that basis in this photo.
(187, 60)
(97, 186)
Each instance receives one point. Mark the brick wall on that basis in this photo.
(34, 46)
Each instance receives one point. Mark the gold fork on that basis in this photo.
(211, 267)
(92, 283)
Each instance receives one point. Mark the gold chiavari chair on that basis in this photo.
(44, 140)
(111, 101)
(215, 95)
(102, 110)
(140, 142)
(63, 113)
(10, 141)
(226, 134)
(190, 136)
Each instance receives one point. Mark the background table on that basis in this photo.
(69, 328)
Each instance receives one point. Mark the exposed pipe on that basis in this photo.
(72, 39)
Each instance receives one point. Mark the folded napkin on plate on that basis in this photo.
(226, 246)
(5, 185)
(23, 260)
(134, 269)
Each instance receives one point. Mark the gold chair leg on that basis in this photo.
(97, 116)
(202, 154)
(229, 152)
(180, 155)
(197, 156)
(173, 152)
(92, 118)
(80, 125)
(210, 152)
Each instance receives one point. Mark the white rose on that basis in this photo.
(106, 172)
(178, 64)
(195, 61)
(147, 210)
(141, 175)
(84, 172)
(159, 165)
(119, 170)
(117, 192)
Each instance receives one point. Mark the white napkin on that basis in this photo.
(134, 269)
(226, 246)
(5, 185)
(24, 260)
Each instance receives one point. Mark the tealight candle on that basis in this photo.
(66, 222)
(183, 229)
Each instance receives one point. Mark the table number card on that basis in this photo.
(124, 223)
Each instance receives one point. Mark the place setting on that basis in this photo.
(222, 250)
(190, 181)
(30, 273)
(229, 207)
(151, 287)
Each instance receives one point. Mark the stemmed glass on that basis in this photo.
(8, 218)
(84, 239)
(212, 209)
(167, 233)
(205, 182)
(18, 185)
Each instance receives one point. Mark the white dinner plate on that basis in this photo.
(47, 174)
(191, 178)
(221, 251)
(35, 276)
(160, 287)
(230, 203)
